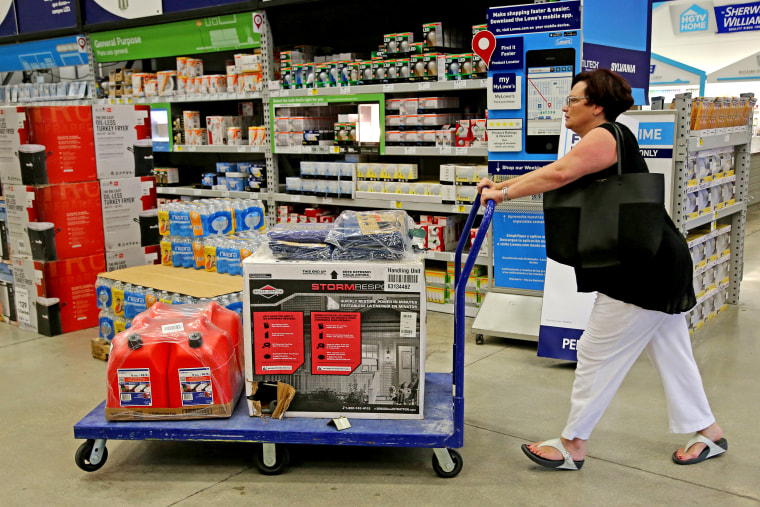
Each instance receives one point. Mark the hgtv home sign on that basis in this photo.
(704, 17)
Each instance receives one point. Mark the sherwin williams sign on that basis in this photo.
(219, 33)
(738, 17)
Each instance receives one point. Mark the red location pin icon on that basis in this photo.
(258, 20)
(82, 42)
(483, 45)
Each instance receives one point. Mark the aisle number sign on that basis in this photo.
(218, 33)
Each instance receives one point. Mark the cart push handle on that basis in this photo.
(460, 282)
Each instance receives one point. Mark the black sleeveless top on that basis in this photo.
(663, 283)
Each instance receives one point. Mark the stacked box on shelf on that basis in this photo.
(711, 181)
(711, 254)
(459, 182)
(7, 294)
(53, 210)
(237, 176)
(326, 179)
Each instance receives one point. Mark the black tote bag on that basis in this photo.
(608, 221)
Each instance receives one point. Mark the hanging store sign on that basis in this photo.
(44, 15)
(219, 33)
(44, 54)
(504, 21)
(103, 11)
(520, 250)
(738, 17)
(189, 5)
(8, 24)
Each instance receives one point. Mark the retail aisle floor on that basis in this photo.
(511, 397)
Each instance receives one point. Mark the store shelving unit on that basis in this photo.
(691, 143)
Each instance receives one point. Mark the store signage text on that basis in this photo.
(738, 17)
(694, 19)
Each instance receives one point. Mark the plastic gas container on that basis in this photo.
(202, 369)
(137, 371)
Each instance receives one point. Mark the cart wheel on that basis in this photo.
(458, 463)
(82, 457)
(282, 460)
(479, 339)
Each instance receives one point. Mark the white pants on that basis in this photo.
(614, 338)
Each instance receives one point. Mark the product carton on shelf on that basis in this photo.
(123, 148)
(7, 294)
(55, 222)
(131, 257)
(14, 133)
(348, 336)
(59, 296)
(127, 220)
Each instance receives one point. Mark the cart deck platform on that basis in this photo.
(435, 430)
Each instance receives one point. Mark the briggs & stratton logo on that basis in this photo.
(267, 292)
(694, 19)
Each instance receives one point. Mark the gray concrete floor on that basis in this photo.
(511, 397)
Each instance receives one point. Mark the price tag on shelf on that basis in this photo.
(700, 141)
(335, 149)
(726, 138)
(410, 150)
(460, 84)
(462, 151)
(177, 147)
(129, 101)
(192, 147)
(327, 200)
(314, 91)
(345, 90)
(461, 209)
(388, 88)
(197, 191)
(242, 148)
(295, 198)
(225, 193)
(444, 150)
(396, 204)
(306, 149)
(423, 86)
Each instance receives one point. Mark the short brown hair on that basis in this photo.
(606, 89)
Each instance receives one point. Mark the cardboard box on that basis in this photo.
(349, 337)
(131, 257)
(199, 284)
(7, 294)
(14, 132)
(57, 297)
(66, 132)
(55, 222)
(123, 201)
(100, 348)
(121, 141)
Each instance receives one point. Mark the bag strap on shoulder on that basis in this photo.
(619, 143)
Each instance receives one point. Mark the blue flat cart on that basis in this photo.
(442, 429)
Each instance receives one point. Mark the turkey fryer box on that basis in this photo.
(348, 336)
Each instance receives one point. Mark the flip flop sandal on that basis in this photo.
(713, 449)
(567, 464)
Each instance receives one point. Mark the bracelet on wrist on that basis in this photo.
(505, 193)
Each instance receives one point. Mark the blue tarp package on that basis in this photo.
(300, 233)
(287, 250)
(371, 235)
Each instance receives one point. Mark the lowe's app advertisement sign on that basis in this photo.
(720, 16)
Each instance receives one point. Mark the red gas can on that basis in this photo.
(202, 368)
(137, 371)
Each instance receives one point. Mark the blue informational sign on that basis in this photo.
(44, 15)
(559, 343)
(619, 43)
(519, 250)
(189, 5)
(8, 24)
(514, 167)
(533, 18)
(44, 54)
(738, 17)
(104, 11)
(508, 54)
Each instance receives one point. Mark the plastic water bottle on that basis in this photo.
(151, 297)
(199, 252)
(136, 302)
(178, 299)
(165, 297)
(117, 295)
(103, 293)
(106, 325)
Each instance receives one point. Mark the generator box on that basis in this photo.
(348, 336)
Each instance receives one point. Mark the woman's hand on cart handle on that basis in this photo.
(485, 183)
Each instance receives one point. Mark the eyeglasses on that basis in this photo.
(570, 100)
